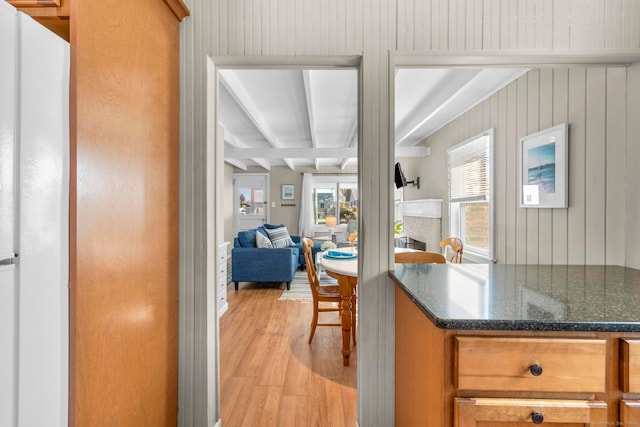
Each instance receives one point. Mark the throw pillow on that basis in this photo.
(272, 226)
(280, 237)
(262, 241)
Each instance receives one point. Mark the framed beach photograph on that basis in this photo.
(287, 191)
(542, 172)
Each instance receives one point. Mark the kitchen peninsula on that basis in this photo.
(497, 345)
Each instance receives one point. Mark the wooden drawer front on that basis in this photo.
(630, 366)
(504, 364)
(471, 412)
(630, 413)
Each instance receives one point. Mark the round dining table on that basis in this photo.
(345, 270)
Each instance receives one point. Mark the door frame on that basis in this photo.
(214, 189)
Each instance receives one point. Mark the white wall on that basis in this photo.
(593, 102)
(371, 29)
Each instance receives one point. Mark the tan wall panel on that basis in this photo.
(125, 224)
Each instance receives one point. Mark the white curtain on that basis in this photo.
(305, 225)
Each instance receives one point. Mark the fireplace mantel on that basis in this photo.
(425, 208)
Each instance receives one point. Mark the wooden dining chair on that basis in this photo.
(419, 257)
(456, 247)
(320, 294)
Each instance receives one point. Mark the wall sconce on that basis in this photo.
(415, 182)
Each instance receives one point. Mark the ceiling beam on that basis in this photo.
(445, 95)
(353, 139)
(343, 163)
(235, 142)
(320, 153)
(306, 79)
(237, 90)
(237, 163)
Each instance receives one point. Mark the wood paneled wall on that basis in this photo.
(593, 102)
(432, 25)
(124, 213)
(372, 29)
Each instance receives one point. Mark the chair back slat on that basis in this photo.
(419, 257)
(456, 247)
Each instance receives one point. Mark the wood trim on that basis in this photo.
(51, 14)
(537, 58)
(179, 9)
(48, 8)
(34, 3)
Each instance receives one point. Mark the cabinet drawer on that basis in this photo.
(630, 366)
(530, 364)
(491, 411)
(630, 413)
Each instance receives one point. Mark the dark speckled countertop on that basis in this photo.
(524, 297)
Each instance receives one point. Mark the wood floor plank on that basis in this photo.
(264, 407)
(270, 375)
(294, 411)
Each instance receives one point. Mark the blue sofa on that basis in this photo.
(252, 264)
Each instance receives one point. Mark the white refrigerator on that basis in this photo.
(34, 223)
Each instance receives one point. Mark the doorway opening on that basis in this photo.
(247, 144)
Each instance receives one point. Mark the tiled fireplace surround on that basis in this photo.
(422, 222)
(426, 230)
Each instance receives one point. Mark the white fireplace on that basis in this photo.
(422, 221)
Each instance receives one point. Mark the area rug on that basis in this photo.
(300, 290)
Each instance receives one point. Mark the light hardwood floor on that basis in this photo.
(270, 375)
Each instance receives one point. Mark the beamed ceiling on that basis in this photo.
(310, 117)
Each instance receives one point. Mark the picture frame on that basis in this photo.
(543, 169)
(288, 191)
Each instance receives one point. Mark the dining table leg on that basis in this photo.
(346, 285)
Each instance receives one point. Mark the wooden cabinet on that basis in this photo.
(466, 378)
(487, 412)
(529, 364)
(221, 261)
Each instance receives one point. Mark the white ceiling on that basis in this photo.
(309, 117)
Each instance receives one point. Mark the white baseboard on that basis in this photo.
(218, 423)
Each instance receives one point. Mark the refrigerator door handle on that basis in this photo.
(8, 259)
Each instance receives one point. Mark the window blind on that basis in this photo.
(468, 171)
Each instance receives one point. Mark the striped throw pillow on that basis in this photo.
(280, 237)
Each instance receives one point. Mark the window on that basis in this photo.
(471, 195)
(335, 199)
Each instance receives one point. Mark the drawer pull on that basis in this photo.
(537, 417)
(536, 370)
